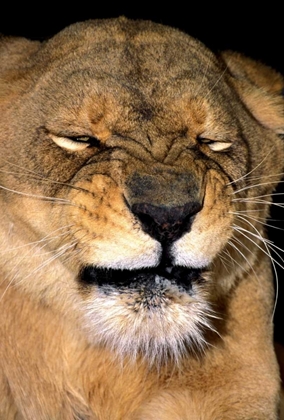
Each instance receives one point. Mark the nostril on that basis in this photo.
(166, 224)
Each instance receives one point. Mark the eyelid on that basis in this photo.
(220, 146)
(75, 143)
(214, 144)
(70, 144)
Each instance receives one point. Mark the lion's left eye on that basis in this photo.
(215, 145)
(75, 143)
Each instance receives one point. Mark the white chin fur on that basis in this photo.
(118, 321)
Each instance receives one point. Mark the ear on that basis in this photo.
(260, 87)
(15, 51)
(15, 59)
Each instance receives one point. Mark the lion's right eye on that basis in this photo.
(75, 143)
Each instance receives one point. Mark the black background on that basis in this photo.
(256, 31)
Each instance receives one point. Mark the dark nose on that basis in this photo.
(166, 224)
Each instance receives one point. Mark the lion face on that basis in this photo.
(133, 157)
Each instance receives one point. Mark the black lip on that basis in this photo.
(181, 276)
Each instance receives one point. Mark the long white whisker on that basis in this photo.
(217, 81)
(203, 78)
(241, 231)
(278, 174)
(226, 261)
(61, 251)
(259, 196)
(250, 172)
(46, 239)
(242, 254)
(41, 197)
(35, 175)
(267, 244)
(256, 200)
(265, 241)
(260, 220)
(248, 187)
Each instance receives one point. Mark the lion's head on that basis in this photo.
(136, 172)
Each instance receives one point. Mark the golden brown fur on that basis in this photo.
(136, 172)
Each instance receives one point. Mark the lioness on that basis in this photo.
(137, 170)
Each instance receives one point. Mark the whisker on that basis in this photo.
(247, 187)
(37, 176)
(217, 81)
(227, 262)
(203, 78)
(260, 220)
(41, 197)
(262, 202)
(266, 242)
(264, 195)
(255, 178)
(250, 172)
(268, 245)
(60, 251)
(230, 242)
(47, 239)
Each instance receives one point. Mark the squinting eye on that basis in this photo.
(214, 145)
(75, 143)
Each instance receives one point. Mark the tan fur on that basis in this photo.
(129, 150)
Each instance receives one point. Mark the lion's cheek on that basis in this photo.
(112, 244)
(107, 234)
(199, 248)
(209, 234)
(128, 252)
